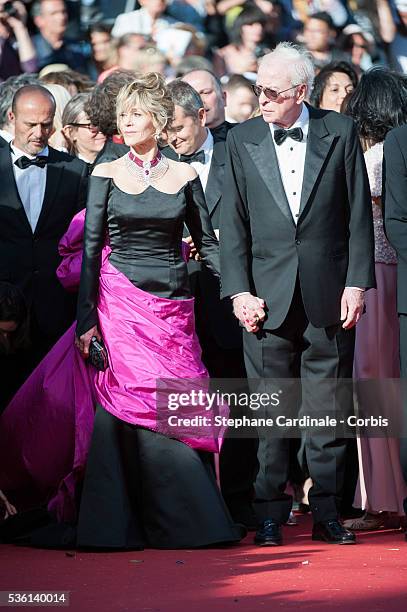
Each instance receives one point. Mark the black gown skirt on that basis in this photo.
(143, 489)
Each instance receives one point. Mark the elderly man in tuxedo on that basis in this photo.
(42, 189)
(218, 330)
(296, 238)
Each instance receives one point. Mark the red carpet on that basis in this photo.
(371, 576)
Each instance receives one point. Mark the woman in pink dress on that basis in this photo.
(125, 477)
(378, 104)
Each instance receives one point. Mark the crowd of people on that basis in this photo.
(248, 155)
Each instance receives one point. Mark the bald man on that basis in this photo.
(214, 98)
(42, 189)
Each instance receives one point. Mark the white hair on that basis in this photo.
(300, 65)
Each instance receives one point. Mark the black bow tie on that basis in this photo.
(199, 156)
(295, 133)
(24, 162)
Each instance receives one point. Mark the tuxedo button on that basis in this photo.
(36, 272)
(298, 242)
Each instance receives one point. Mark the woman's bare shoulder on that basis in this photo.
(107, 169)
(184, 170)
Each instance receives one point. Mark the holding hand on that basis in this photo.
(352, 304)
(193, 253)
(250, 310)
(83, 342)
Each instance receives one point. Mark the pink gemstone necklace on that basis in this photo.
(146, 172)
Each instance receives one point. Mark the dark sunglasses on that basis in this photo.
(271, 94)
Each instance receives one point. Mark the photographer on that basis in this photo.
(17, 52)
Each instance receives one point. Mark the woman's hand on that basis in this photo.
(83, 342)
(10, 509)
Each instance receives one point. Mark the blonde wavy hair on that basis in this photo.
(149, 93)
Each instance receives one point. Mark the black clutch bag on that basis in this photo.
(98, 354)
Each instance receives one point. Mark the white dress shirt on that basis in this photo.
(31, 184)
(203, 169)
(291, 161)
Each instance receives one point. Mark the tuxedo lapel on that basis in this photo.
(54, 178)
(214, 184)
(318, 146)
(261, 150)
(10, 196)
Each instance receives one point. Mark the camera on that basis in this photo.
(10, 9)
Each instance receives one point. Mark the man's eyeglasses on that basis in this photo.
(89, 126)
(271, 94)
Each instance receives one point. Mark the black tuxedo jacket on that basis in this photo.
(332, 246)
(217, 316)
(214, 185)
(29, 259)
(395, 205)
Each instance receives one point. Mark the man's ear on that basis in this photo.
(302, 93)
(11, 117)
(202, 116)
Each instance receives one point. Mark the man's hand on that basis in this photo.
(249, 309)
(83, 342)
(352, 303)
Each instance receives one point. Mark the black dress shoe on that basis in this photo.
(333, 532)
(269, 534)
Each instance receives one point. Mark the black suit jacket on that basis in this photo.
(220, 132)
(29, 259)
(395, 205)
(332, 246)
(214, 185)
(216, 316)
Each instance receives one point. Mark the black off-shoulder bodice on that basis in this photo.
(145, 233)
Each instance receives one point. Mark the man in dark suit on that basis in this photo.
(192, 142)
(42, 189)
(218, 330)
(395, 207)
(296, 255)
